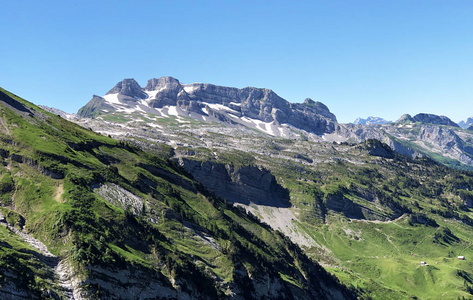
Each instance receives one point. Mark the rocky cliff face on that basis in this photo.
(245, 185)
(248, 106)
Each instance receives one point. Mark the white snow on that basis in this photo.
(190, 88)
(172, 111)
(112, 98)
(235, 103)
(152, 94)
(216, 106)
(263, 126)
(281, 131)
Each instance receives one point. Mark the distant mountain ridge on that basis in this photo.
(370, 121)
(467, 123)
(427, 119)
(257, 108)
(193, 108)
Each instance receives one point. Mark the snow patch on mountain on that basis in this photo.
(112, 99)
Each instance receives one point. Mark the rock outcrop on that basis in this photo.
(245, 185)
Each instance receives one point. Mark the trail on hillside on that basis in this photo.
(60, 267)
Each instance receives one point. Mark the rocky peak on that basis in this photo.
(161, 83)
(405, 119)
(309, 101)
(310, 106)
(434, 119)
(168, 92)
(467, 123)
(128, 87)
(319, 106)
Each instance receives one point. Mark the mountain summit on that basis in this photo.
(256, 108)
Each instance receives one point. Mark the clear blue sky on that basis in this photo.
(361, 58)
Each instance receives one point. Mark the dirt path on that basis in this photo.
(59, 192)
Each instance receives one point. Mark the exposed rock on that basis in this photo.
(434, 119)
(249, 184)
(443, 137)
(128, 87)
(168, 91)
(377, 148)
(63, 271)
(116, 195)
(254, 103)
(339, 203)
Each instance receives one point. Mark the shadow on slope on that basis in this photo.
(245, 185)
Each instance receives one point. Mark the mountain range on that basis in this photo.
(466, 124)
(261, 109)
(194, 191)
(85, 217)
(370, 121)
(264, 111)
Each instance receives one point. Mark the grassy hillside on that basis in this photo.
(370, 219)
(131, 222)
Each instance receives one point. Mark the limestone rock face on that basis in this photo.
(128, 87)
(434, 119)
(165, 91)
(249, 184)
(245, 106)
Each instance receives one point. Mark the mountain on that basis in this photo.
(426, 119)
(466, 124)
(368, 202)
(259, 109)
(85, 216)
(186, 109)
(225, 210)
(370, 121)
(434, 119)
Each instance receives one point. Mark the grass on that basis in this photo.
(64, 213)
(389, 255)
(21, 268)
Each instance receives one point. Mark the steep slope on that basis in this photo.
(131, 224)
